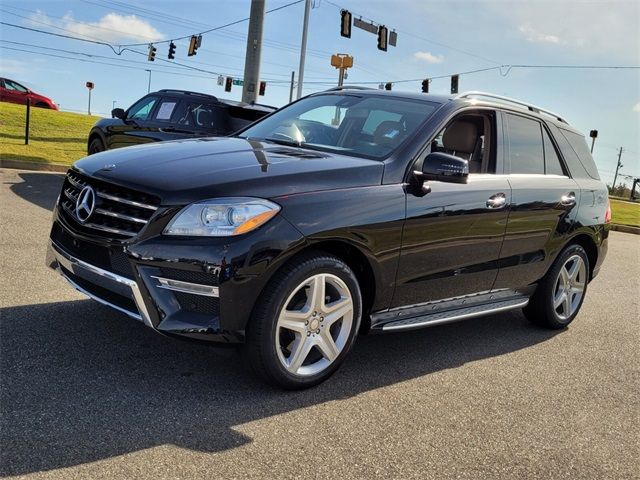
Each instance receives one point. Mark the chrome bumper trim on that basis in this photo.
(186, 287)
(109, 280)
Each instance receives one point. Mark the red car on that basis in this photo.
(11, 91)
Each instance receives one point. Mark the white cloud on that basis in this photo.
(636, 107)
(112, 28)
(10, 66)
(429, 57)
(533, 35)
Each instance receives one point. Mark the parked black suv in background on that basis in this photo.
(348, 211)
(172, 115)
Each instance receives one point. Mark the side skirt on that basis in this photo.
(449, 310)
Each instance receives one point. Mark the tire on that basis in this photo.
(42, 105)
(96, 146)
(560, 294)
(294, 341)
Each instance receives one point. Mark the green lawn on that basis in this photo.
(625, 213)
(55, 137)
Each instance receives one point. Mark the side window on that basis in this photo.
(552, 164)
(579, 146)
(526, 153)
(14, 86)
(142, 110)
(165, 110)
(202, 116)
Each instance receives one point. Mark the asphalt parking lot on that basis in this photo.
(88, 393)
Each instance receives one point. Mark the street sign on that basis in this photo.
(369, 27)
(90, 85)
(237, 81)
(220, 80)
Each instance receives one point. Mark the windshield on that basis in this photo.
(362, 125)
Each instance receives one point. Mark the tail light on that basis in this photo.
(607, 213)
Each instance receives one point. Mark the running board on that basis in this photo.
(455, 315)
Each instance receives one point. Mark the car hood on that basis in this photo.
(184, 171)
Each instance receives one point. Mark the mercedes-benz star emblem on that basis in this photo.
(85, 204)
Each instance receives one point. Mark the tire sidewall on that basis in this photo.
(285, 286)
(95, 141)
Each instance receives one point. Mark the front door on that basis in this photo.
(453, 235)
(138, 127)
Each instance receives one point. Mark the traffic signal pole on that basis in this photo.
(303, 46)
(254, 51)
(617, 168)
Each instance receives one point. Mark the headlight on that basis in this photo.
(222, 217)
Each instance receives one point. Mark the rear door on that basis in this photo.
(544, 201)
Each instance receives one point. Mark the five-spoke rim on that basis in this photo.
(569, 287)
(314, 324)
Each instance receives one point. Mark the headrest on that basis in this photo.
(388, 133)
(460, 137)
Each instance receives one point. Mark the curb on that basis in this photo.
(625, 229)
(39, 166)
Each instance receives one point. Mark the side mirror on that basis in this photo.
(118, 113)
(444, 168)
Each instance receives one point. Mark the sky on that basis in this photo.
(436, 38)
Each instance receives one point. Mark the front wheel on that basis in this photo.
(96, 146)
(561, 292)
(305, 322)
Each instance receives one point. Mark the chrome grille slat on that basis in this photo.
(121, 216)
(120, 213)
(113, 198)
(110, 229)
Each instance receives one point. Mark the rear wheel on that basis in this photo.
(560, 294)
(96, 146)
(305, 322)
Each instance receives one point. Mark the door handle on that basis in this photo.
(499, 200)
(568, 200)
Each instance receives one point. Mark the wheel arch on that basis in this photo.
(96, 133)
(589, 245)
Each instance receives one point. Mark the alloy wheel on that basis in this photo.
(569, 287)
(314, 325)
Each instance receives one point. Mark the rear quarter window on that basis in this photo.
(577, 163)
(579, 145)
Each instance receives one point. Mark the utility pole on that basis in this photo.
(254, 50)
(303, 46)
(149, 86)
(293, 79)
(617, 168)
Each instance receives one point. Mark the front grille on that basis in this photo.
(100, 292)
(119, 213)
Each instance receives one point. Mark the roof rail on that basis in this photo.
(528, 106)
(348, 87)
(187, 92)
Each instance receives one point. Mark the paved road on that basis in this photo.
(88, 393)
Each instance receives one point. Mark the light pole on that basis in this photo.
(113, 104)
(149, 86)
(303, 46)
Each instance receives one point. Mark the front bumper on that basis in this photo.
(150, 298)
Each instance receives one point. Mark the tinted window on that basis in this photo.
(570, 157)
(203, 116)
(552, 164)
(579, 146)
(142, 110)
(525, 145)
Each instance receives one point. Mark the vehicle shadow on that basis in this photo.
(41, 189)
(44, 139)
(81, 383)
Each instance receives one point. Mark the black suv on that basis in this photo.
(172, 115)
(348, 211)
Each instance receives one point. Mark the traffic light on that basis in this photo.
(262, 88)
(345, 23)
(382, 38)
(172, 51)
(152, 53)
(227, 84)
(454, 83)
(425, 85)
(194, 44)
(387, 86)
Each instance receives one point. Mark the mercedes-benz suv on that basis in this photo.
(346, 212)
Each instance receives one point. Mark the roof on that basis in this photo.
(232, 103)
